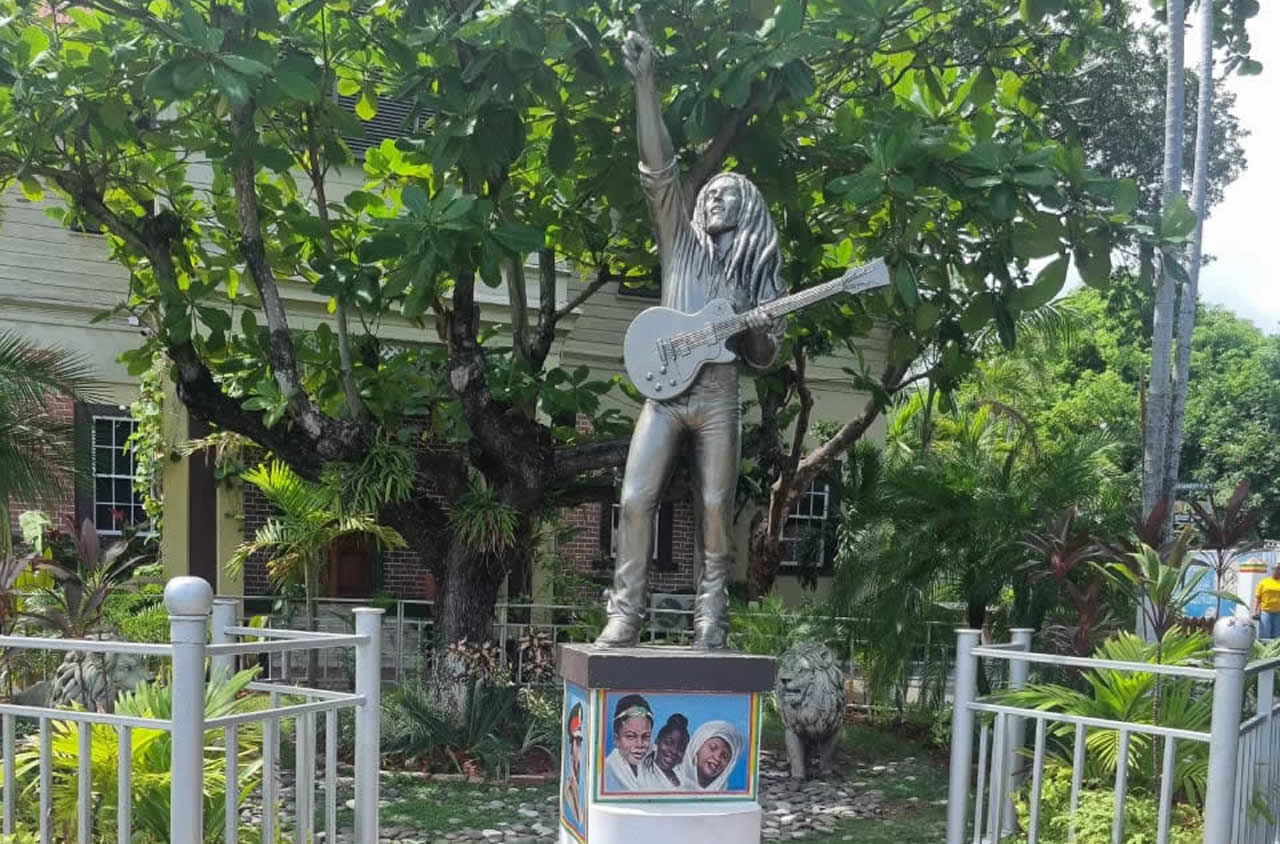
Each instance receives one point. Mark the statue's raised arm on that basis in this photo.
(656, 151)
(658, 169)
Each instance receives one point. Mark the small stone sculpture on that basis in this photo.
(94, 680)
(811, 699)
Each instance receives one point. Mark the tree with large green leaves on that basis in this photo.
(204, 141)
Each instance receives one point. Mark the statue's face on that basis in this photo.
(721, 205)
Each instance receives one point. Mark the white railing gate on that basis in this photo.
(1242, 797)
(192, 608)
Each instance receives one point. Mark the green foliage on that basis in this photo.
(151, 753)
(1159, 583)
(37, 450)
(480, 521)
(1133, 697)
(84, 576)
(771, 625)
(140, 615)
(309, 518)
(943, 513)
(1095, 813)
(151, 451)
(498, 726)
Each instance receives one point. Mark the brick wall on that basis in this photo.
(583, 552)
(403, 574)
(256, 513)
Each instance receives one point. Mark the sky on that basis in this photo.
(1241, 231)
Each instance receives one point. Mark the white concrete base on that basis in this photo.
(734, 822)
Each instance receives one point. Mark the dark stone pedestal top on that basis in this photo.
(665, 668)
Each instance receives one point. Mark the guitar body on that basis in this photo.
(661, 370)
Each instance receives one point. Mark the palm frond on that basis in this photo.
(29, 373)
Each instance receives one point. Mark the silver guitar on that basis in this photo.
(664, 349)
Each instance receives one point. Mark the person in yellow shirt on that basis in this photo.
(1266, 604)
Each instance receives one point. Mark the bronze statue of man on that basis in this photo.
(727, 249)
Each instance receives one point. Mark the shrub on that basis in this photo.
(500, 724)
(1137, 698)
(1096, 810)
(151, 755)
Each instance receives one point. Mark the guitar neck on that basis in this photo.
(785, 305)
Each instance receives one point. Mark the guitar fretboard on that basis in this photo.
(722, 329)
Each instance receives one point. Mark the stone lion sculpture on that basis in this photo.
(811, 699)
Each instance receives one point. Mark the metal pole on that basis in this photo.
(224, 616)
(399, 640)
(1232, 638)
(966, 689)
(368, 752)
(188, 600)
(1019, 671)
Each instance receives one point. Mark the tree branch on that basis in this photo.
(206, 400)
(547, 317)
(802, 418)
(713, 154)
(603, 276)
(824, 455)
(518, 297)
(570, 461)
(346, 368)
(333, 439)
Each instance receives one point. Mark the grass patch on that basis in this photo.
(439, 807)
(895, 760)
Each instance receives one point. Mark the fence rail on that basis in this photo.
(202, 629)
(409, 628)
(1241, 803)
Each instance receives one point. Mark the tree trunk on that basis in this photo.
(464, 610)
(764, 557)
(1155, 440)
(1199, 204)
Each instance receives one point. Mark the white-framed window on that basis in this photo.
(115, 502)
(804, 534)
(615, 517)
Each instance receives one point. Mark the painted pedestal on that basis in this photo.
(661, 744)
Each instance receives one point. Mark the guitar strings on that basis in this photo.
(689, 339)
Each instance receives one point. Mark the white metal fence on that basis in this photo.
(1242, 797)
(204, 630)
(409, 627)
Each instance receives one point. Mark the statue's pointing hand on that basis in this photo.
(638, 56)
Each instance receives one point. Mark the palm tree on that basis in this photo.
(955, 516)
(309, 518)
(37, 450)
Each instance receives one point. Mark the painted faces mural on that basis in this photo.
(671, 743)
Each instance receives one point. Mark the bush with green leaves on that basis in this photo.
(1095, 812)
(1131, 696)
(770, 626)
(151, 754)
(499, 726)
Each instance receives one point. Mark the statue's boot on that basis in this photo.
(619, 632)
(626, 617)
(711, 606)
